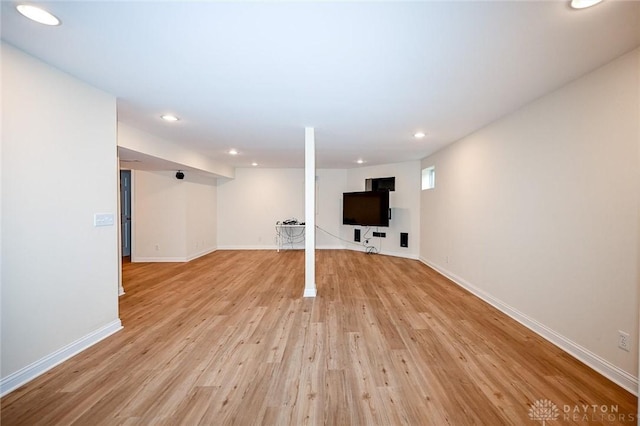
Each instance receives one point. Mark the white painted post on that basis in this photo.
(309, 212)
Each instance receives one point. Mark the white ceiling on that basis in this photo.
(251, 76)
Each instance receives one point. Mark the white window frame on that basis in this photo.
(429, 178)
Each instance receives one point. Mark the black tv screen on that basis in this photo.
(370, 208)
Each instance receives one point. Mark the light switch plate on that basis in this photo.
(103, 219)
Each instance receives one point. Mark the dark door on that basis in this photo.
(125, 211)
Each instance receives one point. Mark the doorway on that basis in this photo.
(125, 213)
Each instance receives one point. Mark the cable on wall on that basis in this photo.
(369, 249)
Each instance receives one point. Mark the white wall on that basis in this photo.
(538, 212)
(169, 152)
(201, 216)
(251, 204)
(159, 217)
(404, 203)
(59, 168)
(330, 184)
(173, 220)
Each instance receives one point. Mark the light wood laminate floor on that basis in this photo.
(228, 339)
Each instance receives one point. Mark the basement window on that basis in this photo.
(429, 178)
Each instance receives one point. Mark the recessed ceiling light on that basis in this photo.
(232, 152)
(419, 135)
(37, 14)
(254, 164)
(360, 161)
(169, 117)
(583, 4)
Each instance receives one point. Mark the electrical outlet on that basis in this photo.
(157, 247)
(623, 341)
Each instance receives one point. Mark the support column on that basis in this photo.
(310, 212)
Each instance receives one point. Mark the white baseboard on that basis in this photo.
(602, 366)
(159, 259)
(173, 259)
(200, 254)
(404, 255)
(310, 292)
(412, 256)
(31, 371)
(330, 247)
(323, 247)
(270, 247)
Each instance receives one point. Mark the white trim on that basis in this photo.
(274, 247)
(329, 247)
(323, 247)
(33, 370)
(201, 253)
(159, 259)
(310, 292)
(602, 366)
(174, 259)
(310, 212)
(412, 256)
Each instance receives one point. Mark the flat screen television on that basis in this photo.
(369, 208)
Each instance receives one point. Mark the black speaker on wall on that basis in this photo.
(404, 239)
(356, 235)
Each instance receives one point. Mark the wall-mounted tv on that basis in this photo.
(365, 208)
